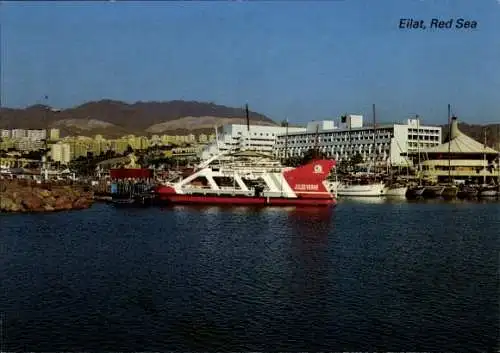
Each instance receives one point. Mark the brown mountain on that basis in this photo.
(115, 118)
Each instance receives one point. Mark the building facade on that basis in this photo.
(460, 158)
(258, 138)
(384, 145)
(61, 152)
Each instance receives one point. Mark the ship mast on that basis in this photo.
(316, 140)
(484, 159)
(247, 114)
(286, 139)
(449, 144)
(418, 151)
(374, 139)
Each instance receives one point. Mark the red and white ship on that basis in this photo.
(251, 178)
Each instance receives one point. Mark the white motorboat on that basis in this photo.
(370, 189)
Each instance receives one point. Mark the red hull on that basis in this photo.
(239, 200)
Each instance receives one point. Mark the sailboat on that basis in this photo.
(363, 186)
(416, 192)
(395, 190)
(487, 191)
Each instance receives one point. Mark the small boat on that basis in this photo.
(488, 192)
(467, 192)
(449, 192)
(395, 190)
(361, 188)
(415, 192)
(432, 192)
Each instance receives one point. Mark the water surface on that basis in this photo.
(369, 276)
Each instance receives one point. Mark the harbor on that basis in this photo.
(458, 168)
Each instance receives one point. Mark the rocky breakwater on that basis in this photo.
(22, 197)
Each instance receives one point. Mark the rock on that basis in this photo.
(20, 196)
(44, 193)
(31, 202)
(63, 203)
(8, 205)
(81, 203)
(48, 208)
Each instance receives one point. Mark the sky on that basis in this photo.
(300, 60)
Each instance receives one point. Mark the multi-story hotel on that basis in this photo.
(386, 144)
(257, 137)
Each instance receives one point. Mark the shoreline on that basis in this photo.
(18, 196)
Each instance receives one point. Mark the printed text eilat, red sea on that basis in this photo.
(436, 23)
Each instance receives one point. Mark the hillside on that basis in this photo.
(115, 118)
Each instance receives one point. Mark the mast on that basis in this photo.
(418, 150)
(349, 124)
(449, 144)
(44, 170)
(484, 158)
(316, 142)
(217, 139)
(286, 139)
(247, 114)
(374, 138)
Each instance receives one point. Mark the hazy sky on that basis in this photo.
(301, 60)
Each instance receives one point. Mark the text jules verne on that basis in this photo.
(459, 23)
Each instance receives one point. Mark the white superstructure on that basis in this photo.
(258, 138)
(352, 138)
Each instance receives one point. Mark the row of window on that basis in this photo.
(424, 131)
(423, 138)
(271, 134)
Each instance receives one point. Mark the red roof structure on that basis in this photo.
(124, 173)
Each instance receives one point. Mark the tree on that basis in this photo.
(129, 150)
(312, 154)
(357, 159)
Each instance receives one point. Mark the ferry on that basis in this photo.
(252, 178)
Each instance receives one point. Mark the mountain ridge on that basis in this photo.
(115, 118)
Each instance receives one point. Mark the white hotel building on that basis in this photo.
(260, 138)
(351, 138)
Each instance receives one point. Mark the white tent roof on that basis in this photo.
(460, 143)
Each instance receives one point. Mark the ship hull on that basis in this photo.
(244, 200)
(395, 192)
(370, 190)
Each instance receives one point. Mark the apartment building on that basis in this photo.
(383, 145)
(61, 152)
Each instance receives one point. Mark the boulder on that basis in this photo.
(17, 196)
(31, 202)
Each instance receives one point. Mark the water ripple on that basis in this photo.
(394, 276)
